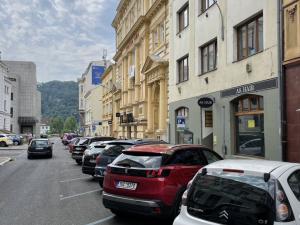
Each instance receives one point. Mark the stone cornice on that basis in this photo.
(153, 10)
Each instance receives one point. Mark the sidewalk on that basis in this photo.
(15, 147)
(4, 160)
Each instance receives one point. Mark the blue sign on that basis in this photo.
(97, 72)
(180, 121)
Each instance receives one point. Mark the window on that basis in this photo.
(211, 156)
(183, 69)
(11, 96)
(209, 57)
(183, 18)
(249, 116)
(11, 112)
(5, 105)
(208, 119)
(205, 4)
(250, 37)
(187, 157)
(294, 183)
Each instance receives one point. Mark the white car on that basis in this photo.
(243, 192)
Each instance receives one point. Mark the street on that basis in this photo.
(45, 191)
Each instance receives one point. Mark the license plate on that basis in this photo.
(92, 161)
(39, 148)
(126, 185)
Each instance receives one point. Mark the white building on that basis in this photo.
(45, 128)
(90, 98)
(223, 85)
(5, 99)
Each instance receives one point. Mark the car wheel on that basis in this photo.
(78, 161)
(16, 143)
(118, 212)
(29, 156)
(2, 144)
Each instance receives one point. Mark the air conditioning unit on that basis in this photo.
(131, 72)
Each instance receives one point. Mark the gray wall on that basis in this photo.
(271, 122)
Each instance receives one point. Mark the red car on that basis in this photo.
(72, 143)
(150, 179)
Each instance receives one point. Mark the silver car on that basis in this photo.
(243, 192)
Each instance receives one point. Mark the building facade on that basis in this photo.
(142, 34)
(223, 85)
(25, 98)
(90, 98)
(291, 79)
(5, 99)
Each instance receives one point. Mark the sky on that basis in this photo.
(60, 36)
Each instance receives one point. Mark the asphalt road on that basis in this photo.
(45, 191)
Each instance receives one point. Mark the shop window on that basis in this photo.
(249, 125)
(183, 135)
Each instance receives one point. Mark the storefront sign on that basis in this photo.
(249, 88)
(205, 102)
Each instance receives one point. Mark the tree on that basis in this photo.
(56, 125)
(70, 124)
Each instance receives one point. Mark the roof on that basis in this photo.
(159, 148)
(255, 166)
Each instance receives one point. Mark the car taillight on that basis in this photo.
(98, 160)
(185, 194)
(158, 173)
(283, 209)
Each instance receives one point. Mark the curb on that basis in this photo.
(6, 159)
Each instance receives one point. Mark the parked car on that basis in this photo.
(83, 145)
(68, 137)
(243, 192)
(72, 143)
(39, 147)
(115, 149)
(5, 140)
(150, 179)
(17, 139)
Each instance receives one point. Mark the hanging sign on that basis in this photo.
(205, 102)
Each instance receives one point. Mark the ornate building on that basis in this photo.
(142, 30)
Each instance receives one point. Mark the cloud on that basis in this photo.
(60, 36)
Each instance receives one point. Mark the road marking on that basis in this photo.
(101, 221)
(84, 193)
(68, 180)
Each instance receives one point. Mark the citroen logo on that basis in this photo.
(224, 214)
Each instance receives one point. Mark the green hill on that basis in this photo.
(59, 98)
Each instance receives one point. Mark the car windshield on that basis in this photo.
(83, 141)
(237, 196)
(96, 149)
(39, 143)
(138, 161)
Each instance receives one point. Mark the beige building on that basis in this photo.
(142, 31)
(109, 121)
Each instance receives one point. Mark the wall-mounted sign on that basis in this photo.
(97, 72)
(249, 88)
(205, 102)
(180, 121)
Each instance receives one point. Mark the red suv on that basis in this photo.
(150, 179)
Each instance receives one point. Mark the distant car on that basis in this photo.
(68, 137)
(81, 146)
(72, 143)
(150, 179)
(17, 139)
(5, 140)
(115, 148)
(243, 192)
(39, 147)
(44, 136)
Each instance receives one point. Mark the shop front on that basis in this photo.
(243, 121)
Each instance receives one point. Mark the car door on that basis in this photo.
(187, 162)
(290, 181)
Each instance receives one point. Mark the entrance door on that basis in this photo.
(249, 126)
(27, 129)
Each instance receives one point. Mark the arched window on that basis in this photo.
(249, 125)
(183, 135)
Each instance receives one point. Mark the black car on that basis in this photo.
(39, 147)
(113, 150)
(83, 144)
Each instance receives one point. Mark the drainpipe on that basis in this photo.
(281, 81)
